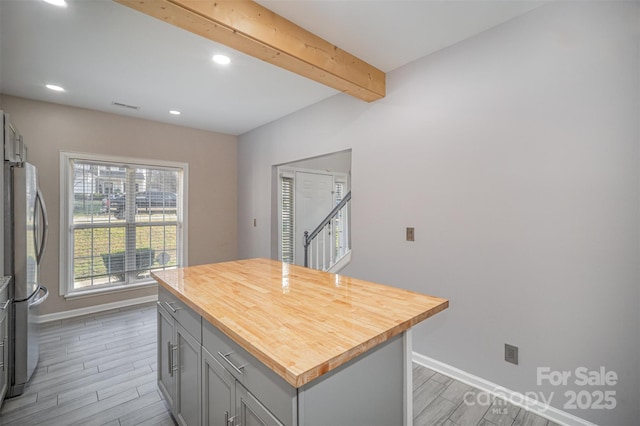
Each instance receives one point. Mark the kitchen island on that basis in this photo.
(260, 341)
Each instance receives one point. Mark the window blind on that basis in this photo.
(288, 240)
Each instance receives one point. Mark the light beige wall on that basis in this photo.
(212, 157)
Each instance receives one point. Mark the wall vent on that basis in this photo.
(120, 104)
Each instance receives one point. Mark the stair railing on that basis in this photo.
(330, 241)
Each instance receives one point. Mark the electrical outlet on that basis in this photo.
(411, 234)
(255, 223)
(511, 353)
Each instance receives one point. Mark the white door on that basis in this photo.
(314, 201)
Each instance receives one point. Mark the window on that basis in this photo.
(121, 219)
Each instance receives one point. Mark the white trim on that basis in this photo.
(111, 289)
(288, 169)
(515, 398)
(124, 161)
(185, 213)
(65, 248)
(95, 309)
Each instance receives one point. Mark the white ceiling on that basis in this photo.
(102, 52)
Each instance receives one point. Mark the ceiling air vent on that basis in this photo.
(120, 104)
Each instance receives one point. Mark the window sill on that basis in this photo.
(111, 289)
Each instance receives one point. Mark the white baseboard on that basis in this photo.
(515, 398)
(95, 309)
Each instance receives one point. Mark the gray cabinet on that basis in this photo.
(207, 378)
(218, 392)
(366, 391)
(5, 304)
(226, 402)
(188, 376)
(4, 351)
(179, 358)
(240, 388)
(250, 412)
(166, 338)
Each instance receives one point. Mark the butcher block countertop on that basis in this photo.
(299, 322)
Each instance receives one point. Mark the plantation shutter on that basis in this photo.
(339, 192)
(288, 239)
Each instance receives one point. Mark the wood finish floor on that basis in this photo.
(440, 400)
(94, 370)
(101, 370)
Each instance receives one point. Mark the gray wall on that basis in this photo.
(515, 154)
(212, 157)
(335, 162)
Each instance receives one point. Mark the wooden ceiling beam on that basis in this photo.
(250, 28)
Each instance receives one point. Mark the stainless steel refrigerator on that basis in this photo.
(25, 237)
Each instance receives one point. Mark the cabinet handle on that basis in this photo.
(238, 369)
(2, 344)
(174, 367)
(174, 310)
(170, 358)
(229, 421)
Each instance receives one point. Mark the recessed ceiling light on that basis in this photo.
(54, 88)
(174, 112)
(60, 3)
(221, 59)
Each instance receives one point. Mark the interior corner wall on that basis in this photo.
(212, 193)
(515, 155)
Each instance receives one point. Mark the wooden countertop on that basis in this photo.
(299, 322)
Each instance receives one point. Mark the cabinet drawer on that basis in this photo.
(183, 314)
(270, 389)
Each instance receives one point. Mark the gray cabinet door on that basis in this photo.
(4, 354)
(166, 375)
(218, 392)
(188, 376)
(250, 411)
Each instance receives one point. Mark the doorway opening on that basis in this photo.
(307, 192)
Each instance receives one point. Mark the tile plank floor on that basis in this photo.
(440, 400)
(101, 370)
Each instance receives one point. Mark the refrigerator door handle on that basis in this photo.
(40, 299)
(45, 229)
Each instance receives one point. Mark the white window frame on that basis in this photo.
(66, 218)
